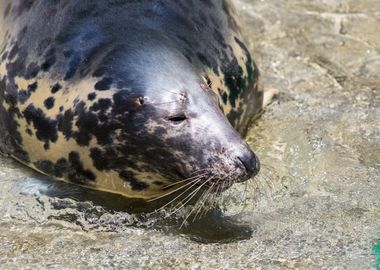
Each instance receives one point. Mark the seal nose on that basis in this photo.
(251, 163)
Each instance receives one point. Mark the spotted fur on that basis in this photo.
(120, 95)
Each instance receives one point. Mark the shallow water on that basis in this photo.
(316, 203)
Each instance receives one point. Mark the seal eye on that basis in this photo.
(177, 119)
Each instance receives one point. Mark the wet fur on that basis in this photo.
(88, 90)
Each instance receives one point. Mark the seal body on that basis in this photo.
(127, 96)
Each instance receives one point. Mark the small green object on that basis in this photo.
(376, 252)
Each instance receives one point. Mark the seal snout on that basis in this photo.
(250, 162)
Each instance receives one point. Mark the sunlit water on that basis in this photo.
(316, 203)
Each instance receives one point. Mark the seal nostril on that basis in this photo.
(251, 163)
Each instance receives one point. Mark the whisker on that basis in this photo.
(208, 199)
(242, 201)
(218, 195)
(161, 103)
(184, 180)
(194, 183)
(203, 200)
(190, 196)
(200, 170)
(175, 93)
(228, 193)
(192, 210)
(172, 191)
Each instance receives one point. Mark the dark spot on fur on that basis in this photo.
(132, 181)
(91, 96)
(57, 169)
(87, 123)
(104, 160)
(60, 167)
(77, 173)
(123, 102)
(45, 166)
(46, 128)
(208, 81)
(224, 95)
(99, 72)
(49, 102)
(72, 169)
(104, 84)
(55, 88)
(90, 124)
(10, 136)
(65, 123)
(97, 158)
(102, 105)
(32, 87)
(46, 146)
(24, 95)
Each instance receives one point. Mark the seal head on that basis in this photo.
(168, 122)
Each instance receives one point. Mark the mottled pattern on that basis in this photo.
(124, 96)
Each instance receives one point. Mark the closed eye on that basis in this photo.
(176, 119)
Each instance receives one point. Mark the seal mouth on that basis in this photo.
(201, 186)
(204, 181)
